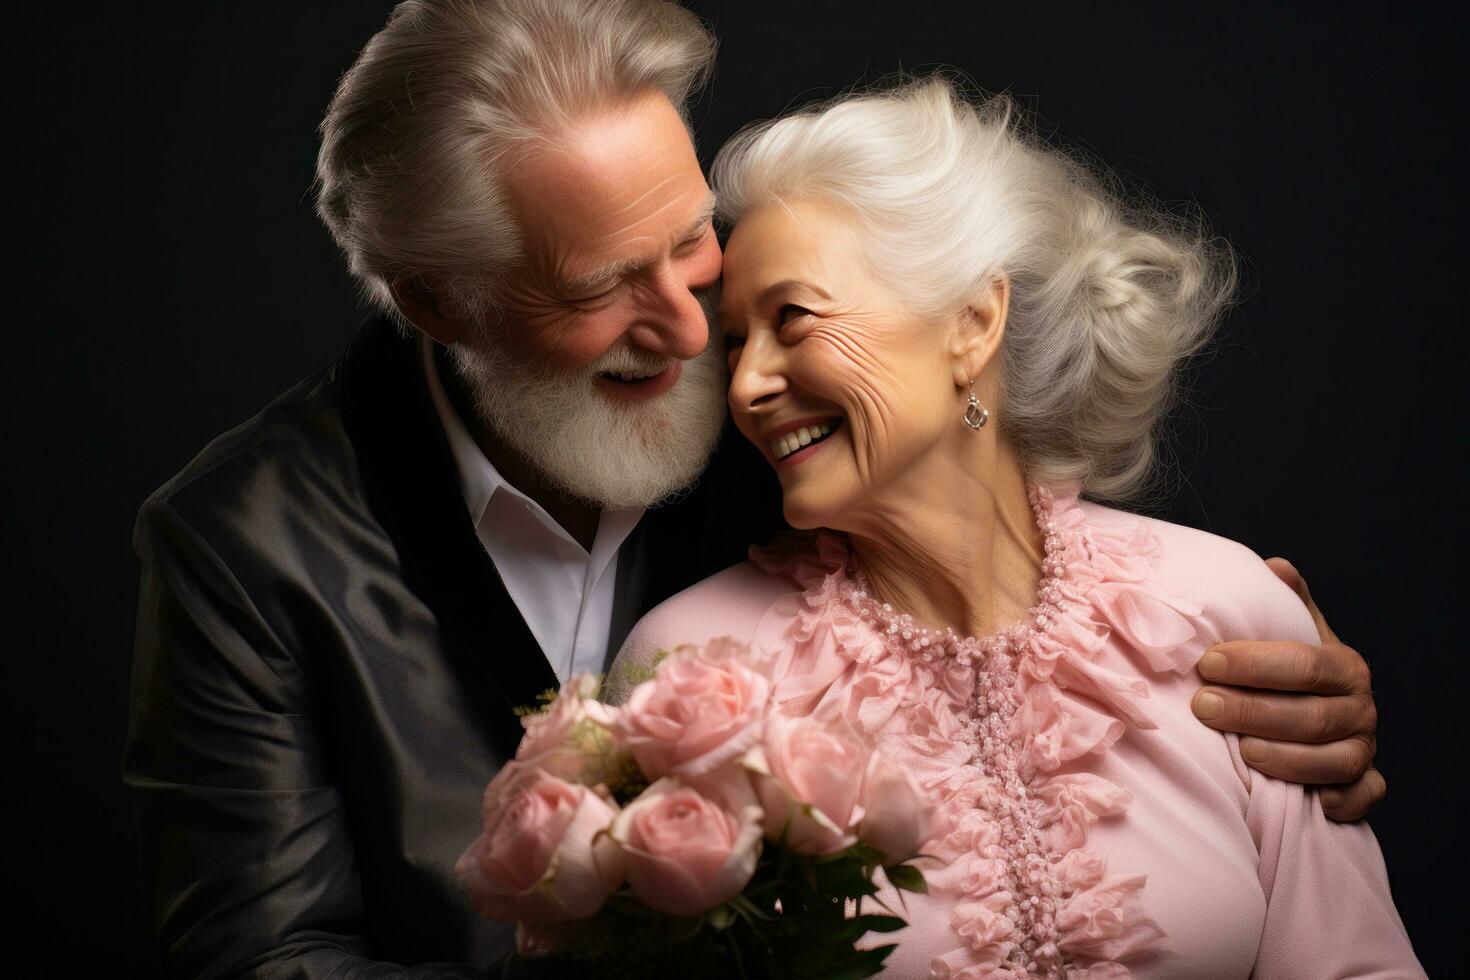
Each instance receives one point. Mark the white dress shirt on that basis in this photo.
(564, 594)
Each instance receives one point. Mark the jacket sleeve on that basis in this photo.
(245, 849)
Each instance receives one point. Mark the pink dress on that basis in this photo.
(1092, 826)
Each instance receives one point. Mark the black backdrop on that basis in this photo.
(168, 278)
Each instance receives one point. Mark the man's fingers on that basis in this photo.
(1283, 665)
(1353, 801)
(1287, 572)
(1350, 785)
(1343, 761)
(1286, 717)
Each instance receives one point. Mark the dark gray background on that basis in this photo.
(167, 278)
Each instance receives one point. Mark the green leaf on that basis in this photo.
(790, 922)
(860, 925)
(906, 877)
(859, 965)
(879, 923)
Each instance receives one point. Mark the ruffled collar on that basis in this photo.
(988, 722)
(929, 643)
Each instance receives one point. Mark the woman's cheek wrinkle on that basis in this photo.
(874, 429)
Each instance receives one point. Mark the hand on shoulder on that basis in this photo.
(1306, 708)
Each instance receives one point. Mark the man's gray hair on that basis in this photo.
(1108, 295)
(427, 121)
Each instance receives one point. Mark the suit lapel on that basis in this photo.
(629, 589)
(413, 488)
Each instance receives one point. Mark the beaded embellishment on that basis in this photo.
(992, 710)
(1030, 901)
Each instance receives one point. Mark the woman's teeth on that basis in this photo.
(804, 436)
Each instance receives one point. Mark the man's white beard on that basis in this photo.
(614, 455)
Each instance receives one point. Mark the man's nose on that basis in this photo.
(672, 320)
(757, 377)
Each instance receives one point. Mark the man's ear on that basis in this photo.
(417, 302)
(979, 329)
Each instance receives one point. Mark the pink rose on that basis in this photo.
(810, 784)
(570, 739)
(543, 855)
(899, 818)
(691, 844)
(703, 708)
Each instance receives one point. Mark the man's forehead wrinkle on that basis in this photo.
(645, 245)
(642, 216)
(647, 193)
(703, 215)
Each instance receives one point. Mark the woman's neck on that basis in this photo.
(959, 548)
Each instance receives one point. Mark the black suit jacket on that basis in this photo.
(326, 666)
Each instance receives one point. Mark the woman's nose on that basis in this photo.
(757, 378)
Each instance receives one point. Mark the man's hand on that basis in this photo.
(1310, 718)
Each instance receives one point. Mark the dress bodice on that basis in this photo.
(1091, 826)
(990, 723)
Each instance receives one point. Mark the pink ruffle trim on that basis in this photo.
(986, 723)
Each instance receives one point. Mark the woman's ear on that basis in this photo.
(418, 304)
(979, 329)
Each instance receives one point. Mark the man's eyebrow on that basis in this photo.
(600, 279)
(596, 282)
(706, 214)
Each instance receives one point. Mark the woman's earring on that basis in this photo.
(975, 414)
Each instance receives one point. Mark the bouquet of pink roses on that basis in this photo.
(695, 830)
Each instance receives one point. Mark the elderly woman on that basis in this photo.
(949, 340)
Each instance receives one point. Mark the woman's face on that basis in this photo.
(845, 392)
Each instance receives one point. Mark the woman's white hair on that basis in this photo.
(429, 118)
(1108, 295)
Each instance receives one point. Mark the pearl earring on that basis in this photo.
(976, 415)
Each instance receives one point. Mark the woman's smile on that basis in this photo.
(793, 441)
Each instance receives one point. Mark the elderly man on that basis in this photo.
(344, 598)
